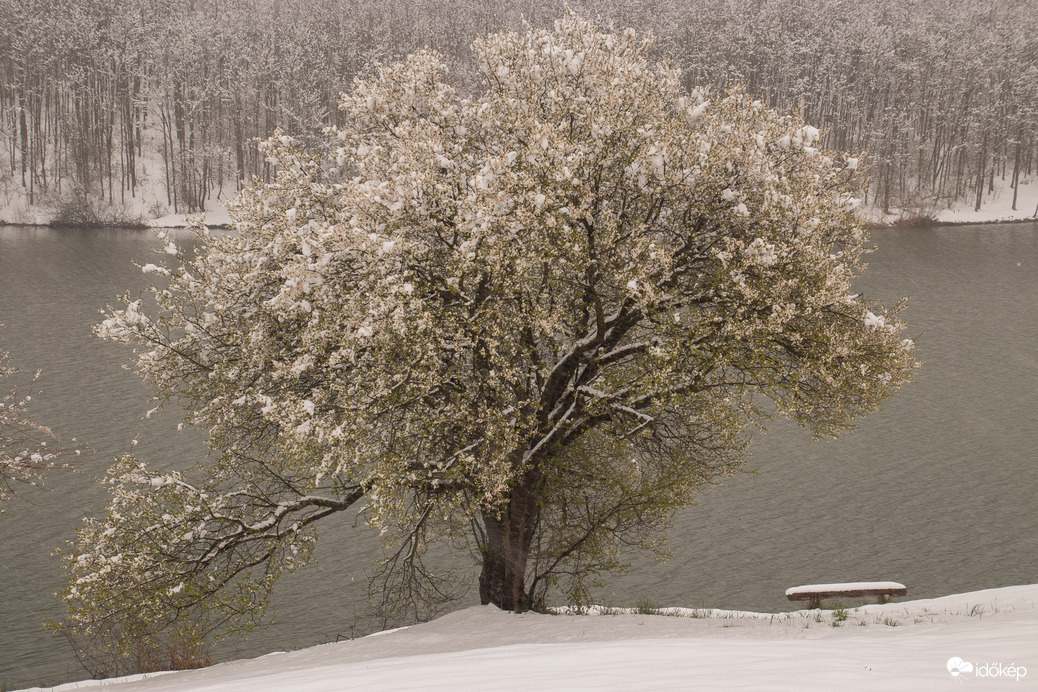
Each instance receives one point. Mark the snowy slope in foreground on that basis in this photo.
(899, 646)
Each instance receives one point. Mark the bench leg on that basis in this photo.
(815, 602)
(884, 598)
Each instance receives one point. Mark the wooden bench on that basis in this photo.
(814, 593)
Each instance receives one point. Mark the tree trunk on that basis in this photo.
(980, 173)
(509, 534)
(1015, 184)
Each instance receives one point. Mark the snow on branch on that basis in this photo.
(27, 449)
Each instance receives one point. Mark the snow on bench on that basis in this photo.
(814, 593)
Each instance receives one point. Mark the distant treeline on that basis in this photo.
(943, 94)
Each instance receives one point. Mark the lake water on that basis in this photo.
(936, 491)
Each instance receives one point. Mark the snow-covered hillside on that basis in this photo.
(988, 639)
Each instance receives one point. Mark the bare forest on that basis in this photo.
(101, 99)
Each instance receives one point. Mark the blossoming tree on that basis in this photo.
(27, 449)
(541, 316)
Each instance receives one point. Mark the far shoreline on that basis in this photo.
(224, 226)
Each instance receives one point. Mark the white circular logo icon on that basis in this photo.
(956, 666)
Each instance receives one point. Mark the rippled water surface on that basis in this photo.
(935, 491)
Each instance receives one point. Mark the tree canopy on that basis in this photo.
(535, 319)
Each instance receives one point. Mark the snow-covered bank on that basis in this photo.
(215, 215)
(987, 638)
(996, 206)
(148, 208)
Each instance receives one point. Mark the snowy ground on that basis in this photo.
(996, 206)
(215, 215)
(986, 639)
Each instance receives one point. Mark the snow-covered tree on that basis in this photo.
(27, 449)
(541, 316)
